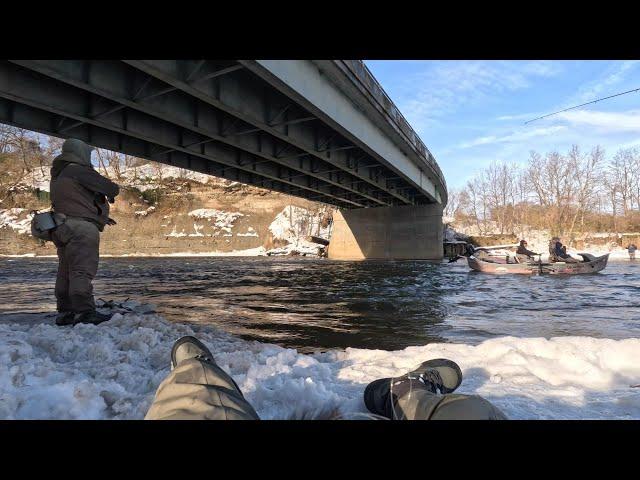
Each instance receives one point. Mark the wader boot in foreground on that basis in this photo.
(82, 196)
(426, 394)
(198, 389)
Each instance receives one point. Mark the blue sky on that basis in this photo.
(470, 113)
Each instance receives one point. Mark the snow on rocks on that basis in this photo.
(293, 225)
(18, 219)
(250, 233)
(294, 222)
(221, 220)
(144, 213)
(112, 371)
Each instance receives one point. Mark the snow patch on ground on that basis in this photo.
(144, 213)
(144, 177)
(222, 221)
(249, 252)
(293, 225)
(250, 233)
(112, 371)
(18, 219)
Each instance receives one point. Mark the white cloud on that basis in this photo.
(449, 85)
(520, 116)
(612, 77)
(514, 137)
(609, 122)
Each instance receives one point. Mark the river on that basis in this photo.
(318, 304)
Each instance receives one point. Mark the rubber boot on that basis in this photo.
(93, 317)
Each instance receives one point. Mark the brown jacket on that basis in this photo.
(79, 191)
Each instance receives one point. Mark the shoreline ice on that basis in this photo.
(111, 371)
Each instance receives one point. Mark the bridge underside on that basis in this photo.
(216, 117)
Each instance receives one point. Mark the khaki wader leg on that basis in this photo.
(82, 253)
(413, 401)
(197, 390)
(62, 282)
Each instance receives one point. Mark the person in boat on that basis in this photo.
(523, 254)
(198, 389)
(558, 252)
(631, 249)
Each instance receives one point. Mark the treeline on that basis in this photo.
(566, 194)
(24, 154)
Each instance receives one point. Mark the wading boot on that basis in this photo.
(65, 318)
(189, 347)
(91, 316)
(437, 376)
(443, 375)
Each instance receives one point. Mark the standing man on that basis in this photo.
(632, 251)
(82, 195)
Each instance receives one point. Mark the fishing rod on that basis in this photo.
(582, 105)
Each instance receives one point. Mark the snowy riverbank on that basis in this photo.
(112, 371)
(306, 249)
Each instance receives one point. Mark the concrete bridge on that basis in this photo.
(324, 130)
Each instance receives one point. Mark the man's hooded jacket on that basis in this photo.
(77, 190)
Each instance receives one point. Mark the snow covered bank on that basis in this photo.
(112, 371)
(249, 252)
(18, 219)
(294, 225)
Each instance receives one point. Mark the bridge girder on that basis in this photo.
(210, 116)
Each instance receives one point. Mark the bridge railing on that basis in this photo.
(373, 87)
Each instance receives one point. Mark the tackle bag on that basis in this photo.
(44, 223)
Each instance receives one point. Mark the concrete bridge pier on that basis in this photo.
(388, 233)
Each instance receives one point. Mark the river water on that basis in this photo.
(319, 304)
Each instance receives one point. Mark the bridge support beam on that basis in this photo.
(388, 233)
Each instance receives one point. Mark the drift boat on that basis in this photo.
(589, 264)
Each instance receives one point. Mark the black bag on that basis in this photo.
(43, 224)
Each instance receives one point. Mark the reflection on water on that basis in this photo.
(319, 304)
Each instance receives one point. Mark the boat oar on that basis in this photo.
(540, 263)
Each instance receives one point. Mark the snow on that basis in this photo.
(293, 224)
(18, 219)
(112, 371)
(176, 234)
(144, 213)
(222, 221)
(250, 233)
(38, 178)
(249, 252)
(303, 247)
(144, 177)
(151, 175)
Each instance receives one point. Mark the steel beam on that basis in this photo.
(189, 112)
(108, 89)
(23, 88)
(166, 70)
